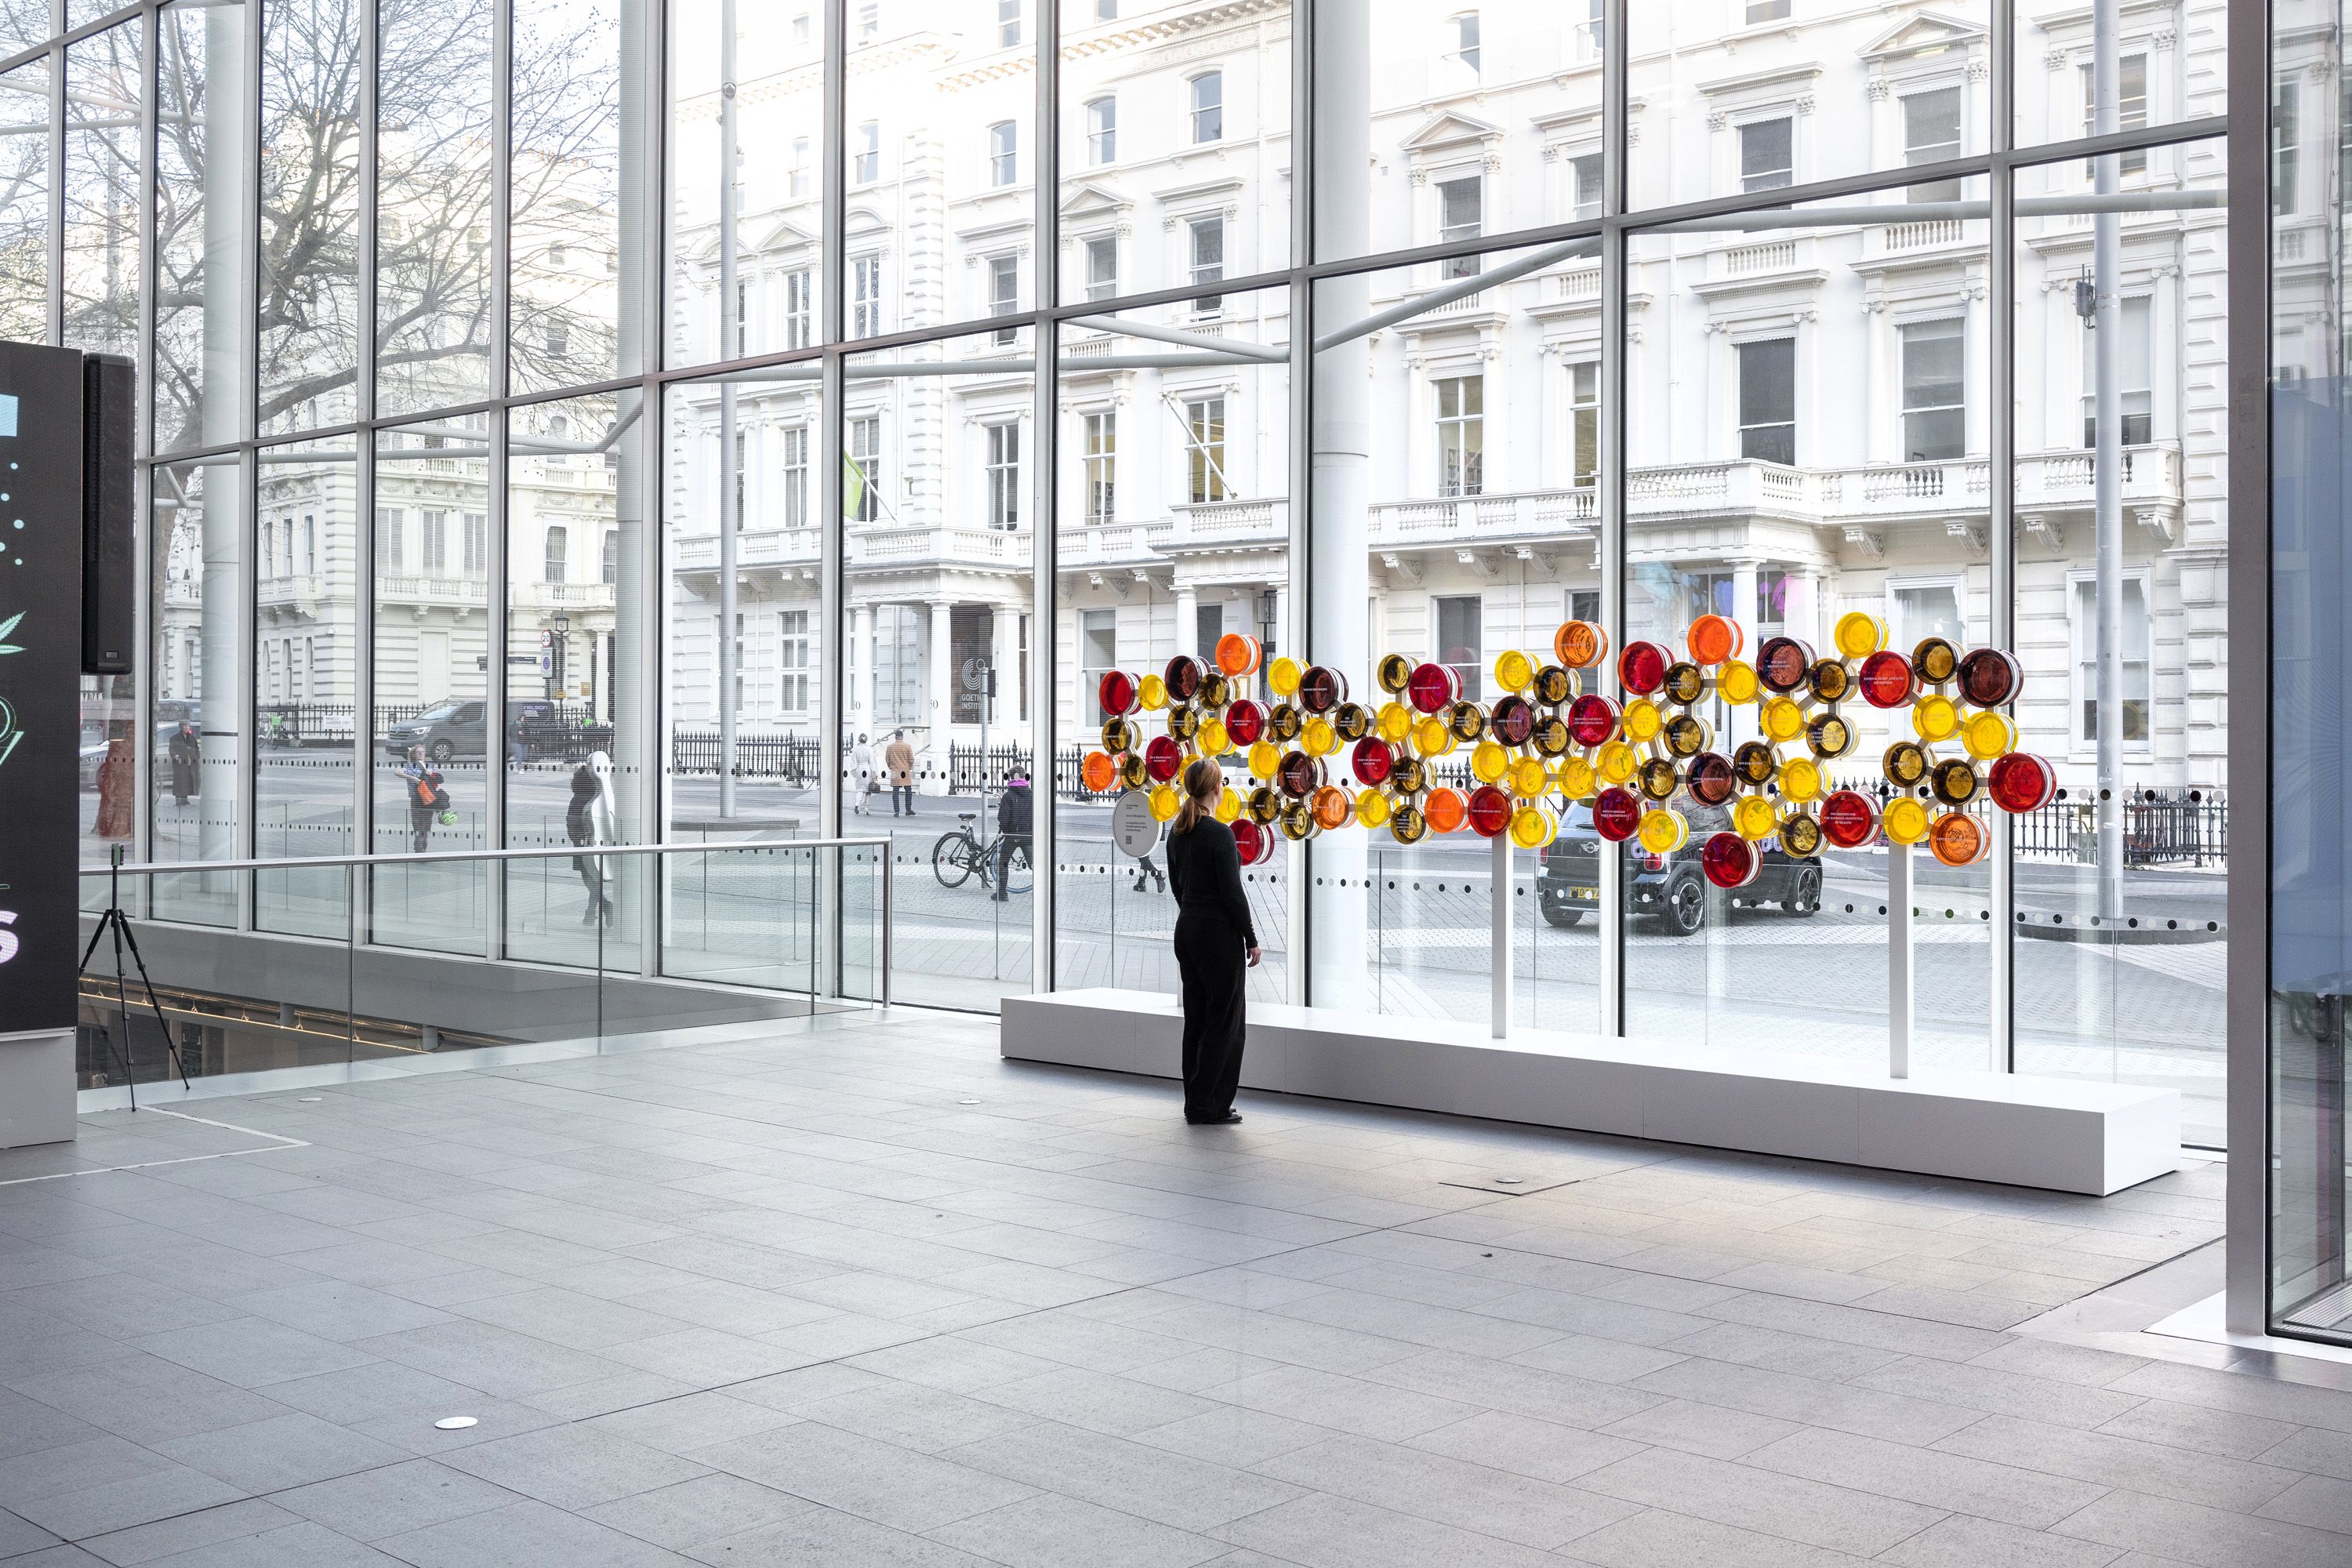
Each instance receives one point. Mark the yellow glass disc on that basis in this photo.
(1801, 779)
(1282, 677)
(1989, 734)
(1664, 831)
(1372, 808)
(1936, 717)
(1858, 635)
(1641, 720)
(1263, 759)
(1514, 670)
(1489, 763)
(1532, 828)
(1394, 722)
(1529, 777)
(1783, 719)
(1165, 802)
(1430, 738)
(1318, 739)
(1616, 761)
(1152, 693)
(1735, 682)
(1755, 818)
(1229, 805)
(1576, 779)
(1905, 820)
(1214, 742)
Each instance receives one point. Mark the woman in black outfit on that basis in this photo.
(1217, 946)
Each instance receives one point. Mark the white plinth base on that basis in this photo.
(36, 1088)
(2054, 1133)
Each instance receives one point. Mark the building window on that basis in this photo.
(1207, 630)
(793, 661)
(1466, 42)
(865, 504)
(1008, 24)
(1102, 268)
(556, 563)
(434, 533)
(1102, 474)
(1768, 400)
(1005, 293)
(2134, 362)
(1097, 652)
(1584, 175)
(1461, 436)
(796, 476)
(1767, 11)
(1935, 390)
(1102, 130)
(869, 21)
(1208, 107)
(477, 544)
(866, 160)
(1931, 134)
(2133, 697)
(1204, 449)
(1004, 145)
(608, 569)
(390, 557)
(2131, 110)
(1460, 208)
(309, 544)
(1004, 475)
(1584, 423)
(1460, 627)
(1106, 10)
(1918, 611)
(2286, 114)
(865, 297)
(901, 632)
(1767, 154)
(799, 317)
(1207, 263)
(800, 175)
(801, 28)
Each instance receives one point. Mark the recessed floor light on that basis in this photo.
(455, 1423)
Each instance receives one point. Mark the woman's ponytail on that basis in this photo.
(1203, 782)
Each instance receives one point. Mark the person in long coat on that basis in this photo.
(187, 752)
(1217, 946)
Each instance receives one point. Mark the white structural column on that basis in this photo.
(1338, 576)
(859, 666)
(1187, 618)
(2107, 466)
(941, 687)
(731, 521)
(1899, 967)
(224, 410)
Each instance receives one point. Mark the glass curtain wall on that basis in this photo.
(1777, 311)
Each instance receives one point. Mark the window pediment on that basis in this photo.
(1929, 33)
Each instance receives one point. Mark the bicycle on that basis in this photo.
(961, 854)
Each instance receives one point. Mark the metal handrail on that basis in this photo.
(437, 857)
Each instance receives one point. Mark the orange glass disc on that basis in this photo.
(1712, 639)
(1236, 654)
(1331, 806)
(1959, 840)
(1098, 773)
(1445, 809)
(1581, 645)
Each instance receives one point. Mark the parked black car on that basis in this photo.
(1669, 889)
(544, 728)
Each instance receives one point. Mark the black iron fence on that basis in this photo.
(2187, 828)
(785, 759)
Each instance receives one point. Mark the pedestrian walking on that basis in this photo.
(1217, 946)
(187, 752)
(588, 822)
(1013, 824)
(898, 760)
(861, 776)
(426, 799)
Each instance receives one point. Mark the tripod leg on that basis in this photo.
(170, 1047)
(104, 922)
(123, 1010)
(96, 937)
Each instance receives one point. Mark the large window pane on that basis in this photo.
(310, 347)
(745, 136)
(1810, 436)
(2169, 64)
(197, 544)
(2122, 533)
(1724, 101)
(24, 175)
(432, 193)
(101, 192)
(23, 23)
(941, 177)
(200, 185)
(579, 226)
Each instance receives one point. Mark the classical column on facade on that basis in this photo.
(1188, 619)
(1005, 655)
(940, 687)
(858, 700)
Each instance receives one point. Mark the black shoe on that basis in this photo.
(1227, 1120)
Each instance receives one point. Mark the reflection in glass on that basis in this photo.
(433, 214)
(311, 57)
(25, 177)
(197, 543)
(575, 239)
(2168, 65)
(102, 178)
(199, 227)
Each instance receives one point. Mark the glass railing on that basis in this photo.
(388, 962)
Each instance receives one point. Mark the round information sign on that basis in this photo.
(1132, 826)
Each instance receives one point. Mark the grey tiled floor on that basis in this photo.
(864, 1294)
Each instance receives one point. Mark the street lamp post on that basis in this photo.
(563, 623)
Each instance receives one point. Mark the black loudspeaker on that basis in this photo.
(109, 575)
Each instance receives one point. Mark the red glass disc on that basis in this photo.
(1886, 679)
(1783, 663)
(1117, 692)
(2022, 781)
(1848, 820)
(1183, 677)
(1592, 720)
(1321, 688)
(1372, 761)
(1729, 860)
(1616, 814)
(1490, 811)
(1163, 758)
(1642, 667)
(1514, 721)
(1246, 722)
(1254, 842)
(1433, 687)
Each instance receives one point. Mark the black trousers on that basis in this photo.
(1214, 964)
(902, 795)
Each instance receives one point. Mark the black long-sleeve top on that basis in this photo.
(1204, 872)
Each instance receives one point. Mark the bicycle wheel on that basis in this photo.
(952, 859)
(1020, 876)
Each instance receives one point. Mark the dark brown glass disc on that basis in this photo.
(1183, 722)
(1406, 825)
(1782, 663)
(1990, 677)
(1132, 774)
(1829, 736)
(1554, 686)
(1686, 683)
(1265, 804)
(1755, 763)
(1955, 781)
(1285, 721)
(1711, 778)
(1828, 681)
(1658, 778)
(1466, 720)
(1298, 821)
(1686, 735)
(1394, 674)
(1118, 736)
(1905, 764)
(1321, 688)
(1550, 738)
(1935, 660)
(1299, 774)
(1184, 678)
(1350, 721)
(1217, 690)
(1514, 721)
(1801, 835)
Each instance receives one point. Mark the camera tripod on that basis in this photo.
(119, 923)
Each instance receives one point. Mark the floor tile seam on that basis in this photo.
(1311, 1492)
(2294, 1477)
(933, 1533)
(1759, 1528)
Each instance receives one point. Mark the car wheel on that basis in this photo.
(1685, 909)
(1805, 898)
(1555, 912)
(442, 751)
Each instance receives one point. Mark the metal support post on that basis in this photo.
(1499, 920)
(1899, 970)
